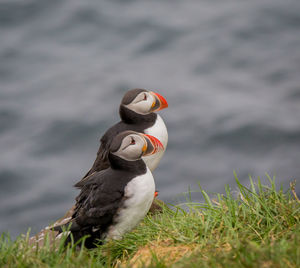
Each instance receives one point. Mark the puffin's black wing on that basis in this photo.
(98, 200)
(101, 195)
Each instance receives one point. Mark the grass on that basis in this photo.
(257, 228)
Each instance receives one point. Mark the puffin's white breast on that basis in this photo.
(159, 131)
(139, 195)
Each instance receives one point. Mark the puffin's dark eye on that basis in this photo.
(132, 141)
(145, 97)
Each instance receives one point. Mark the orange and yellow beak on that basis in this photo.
(152, 145)
(159, 102)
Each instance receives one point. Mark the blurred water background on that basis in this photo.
(230, 71)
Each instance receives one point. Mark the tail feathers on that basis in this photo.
(51, 234)
(47, 236)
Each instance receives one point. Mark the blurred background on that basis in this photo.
(230, 71)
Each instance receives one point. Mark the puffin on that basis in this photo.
(138, 113)
(113, 201)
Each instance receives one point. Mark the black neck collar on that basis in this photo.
(131, 117)
(117, 163)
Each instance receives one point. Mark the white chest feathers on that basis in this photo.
(159, 131)
(139, 195)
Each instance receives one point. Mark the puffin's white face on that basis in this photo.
(135, 145)
(142, 103)
(132, 147)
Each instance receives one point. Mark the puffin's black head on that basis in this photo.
(141, 102)
(131, 145)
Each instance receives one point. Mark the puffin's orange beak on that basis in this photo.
(159, 103)
(152, 146)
